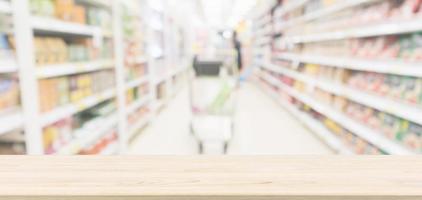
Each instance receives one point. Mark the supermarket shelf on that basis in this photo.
(49, 71)
(337, 7)
(315, 126)
(138, 60)
(136, 82)
(111, 149)
(292, 6)
(387, 28)
(78, 144)
(137, 104)
(59, 26)
(10, 121)
(133, 130)
(72, 109)
(8, 66)
(5, 7)
(381, 66)
(400, 109)
(368, 134)
(179, 71)
(170, 75)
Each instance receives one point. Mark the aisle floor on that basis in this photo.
(262, 128)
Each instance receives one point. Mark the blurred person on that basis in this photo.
(238, 47)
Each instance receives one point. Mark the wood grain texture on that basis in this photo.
(243, 177)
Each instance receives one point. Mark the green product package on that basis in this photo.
(404, 127)
(221, 98)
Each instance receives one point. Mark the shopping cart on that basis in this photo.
(213, 96)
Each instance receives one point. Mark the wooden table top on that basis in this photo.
(239, 177)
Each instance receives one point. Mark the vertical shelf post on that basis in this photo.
(120, 76)
(24, 38)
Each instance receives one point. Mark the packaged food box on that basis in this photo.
(64, 9)
(413, 138)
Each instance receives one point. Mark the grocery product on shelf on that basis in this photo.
(79, 127)
(56, 50)
(359, 15)
(136, 71)
(9, 92)
(6, 50)
(350, 140)
(363, 33)
(135, 53)
(69, 10)
(109, 140)
(12, 143)
(137, 93)
(140, 115)
(402, 88)
(56, 92)
(405, 47)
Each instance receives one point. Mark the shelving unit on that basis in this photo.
(403, 110)
(35, 121)
(322, 132)
(286, 59)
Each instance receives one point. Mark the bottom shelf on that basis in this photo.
(111, 149)
(80, 143)
(317, 128)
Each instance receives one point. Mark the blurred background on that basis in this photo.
(187, 77)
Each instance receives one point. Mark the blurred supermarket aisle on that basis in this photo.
(263, 127)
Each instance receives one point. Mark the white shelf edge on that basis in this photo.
(137, 104)
(49, 71)
(79, 143)
(362, 131)
(290, 7)
(103, 3)
(8, 66)
(136, 82)
(391, 66)
(169, 75)
(59, 26)
(400, 109)
(71, 109)
(315, 126)
(139, 125)
(10, 121)
(386, 28)
(5, 7)
(337, 7)
(139, 60)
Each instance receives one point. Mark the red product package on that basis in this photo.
(391, 47)
(409, 8)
